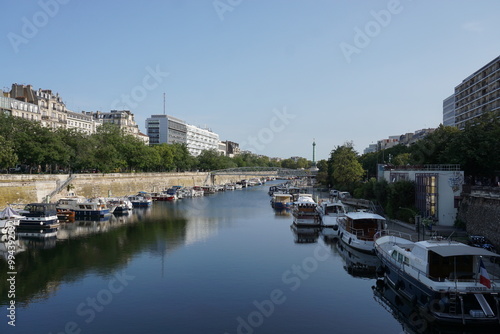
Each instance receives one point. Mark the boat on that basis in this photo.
(9, 218)
(454, 282)
(142, 200)
(122, 205)
(329, 212)
(40, 220)
(281, 200)
(82, 207)
(304, 211)
(359, 229)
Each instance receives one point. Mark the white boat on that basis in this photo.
(329, 212)
(141, 200)
(8, 218)
(358, 229)
(40, 221)
(122, 205)
(82, 207)
(453, 281)
(304, 211)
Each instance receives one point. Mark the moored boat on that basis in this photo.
(329, 212)
(9, 218)
(82, 207)
(359, 229)
(142, 200)
(40, 220)
(304, 211)
(281, 200)
(453, 281)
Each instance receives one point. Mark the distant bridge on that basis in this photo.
(264, 171)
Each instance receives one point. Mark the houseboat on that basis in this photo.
(40, 220)
(304, 212)
(456, 283)
(281, 200)
(96, 208)
(359, 229)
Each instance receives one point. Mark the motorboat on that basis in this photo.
(142, 200)
(453, 281)
(82, 207)
(329, 212)
(359, 229)
(40, 220)
(304, 211)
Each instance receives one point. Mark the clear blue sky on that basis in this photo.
(269, 74)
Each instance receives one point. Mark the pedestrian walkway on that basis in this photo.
(424, 233)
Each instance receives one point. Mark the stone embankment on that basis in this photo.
(25, 188)
(480, 211)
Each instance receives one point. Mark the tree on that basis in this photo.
(8, 156)
(346, 169)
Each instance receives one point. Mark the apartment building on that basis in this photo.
(478, 93)
(122, 118)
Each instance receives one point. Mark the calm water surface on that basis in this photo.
(225, 263)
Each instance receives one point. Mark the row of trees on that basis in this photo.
(474, 148)
(39, 149)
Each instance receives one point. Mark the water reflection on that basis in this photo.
(415, 320)
(357, 263)
(94, 246)
(305, 235)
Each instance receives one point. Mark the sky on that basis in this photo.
(271, 75)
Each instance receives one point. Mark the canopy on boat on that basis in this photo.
(459, 249)
(8, 212)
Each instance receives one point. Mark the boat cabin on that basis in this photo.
(364, 225)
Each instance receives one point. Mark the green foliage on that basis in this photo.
(108, 150)
(344, 167)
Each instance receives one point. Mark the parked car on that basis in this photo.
(481, 242)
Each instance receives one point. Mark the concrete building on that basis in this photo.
(371, 148)
(387, 143)
(478, 93)
(437, 189)
(165, 129)
(232, 148)
(222, 148)
(199, 139)
(449, 111)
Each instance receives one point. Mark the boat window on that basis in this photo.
(89, 207)
(400, 257)
(394, 255)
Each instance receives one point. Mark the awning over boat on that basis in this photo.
(9, 213)
(461, 249)
(364, 215)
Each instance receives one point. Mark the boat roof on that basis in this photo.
(363, 215)
(449, 248)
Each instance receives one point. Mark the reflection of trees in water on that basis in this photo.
(40, 271)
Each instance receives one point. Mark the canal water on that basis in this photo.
(224, 263)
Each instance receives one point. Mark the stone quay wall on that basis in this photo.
(480, 210)
(26, 188)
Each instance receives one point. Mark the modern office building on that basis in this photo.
(166, 129)
(478, 93)
(449, 111)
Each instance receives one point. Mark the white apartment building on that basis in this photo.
(81, 122)
(199, 139)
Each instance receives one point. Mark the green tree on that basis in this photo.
(346, 169)
(8, 156)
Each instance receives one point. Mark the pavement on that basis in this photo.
(410, 229)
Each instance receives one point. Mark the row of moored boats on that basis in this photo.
(451, 281)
